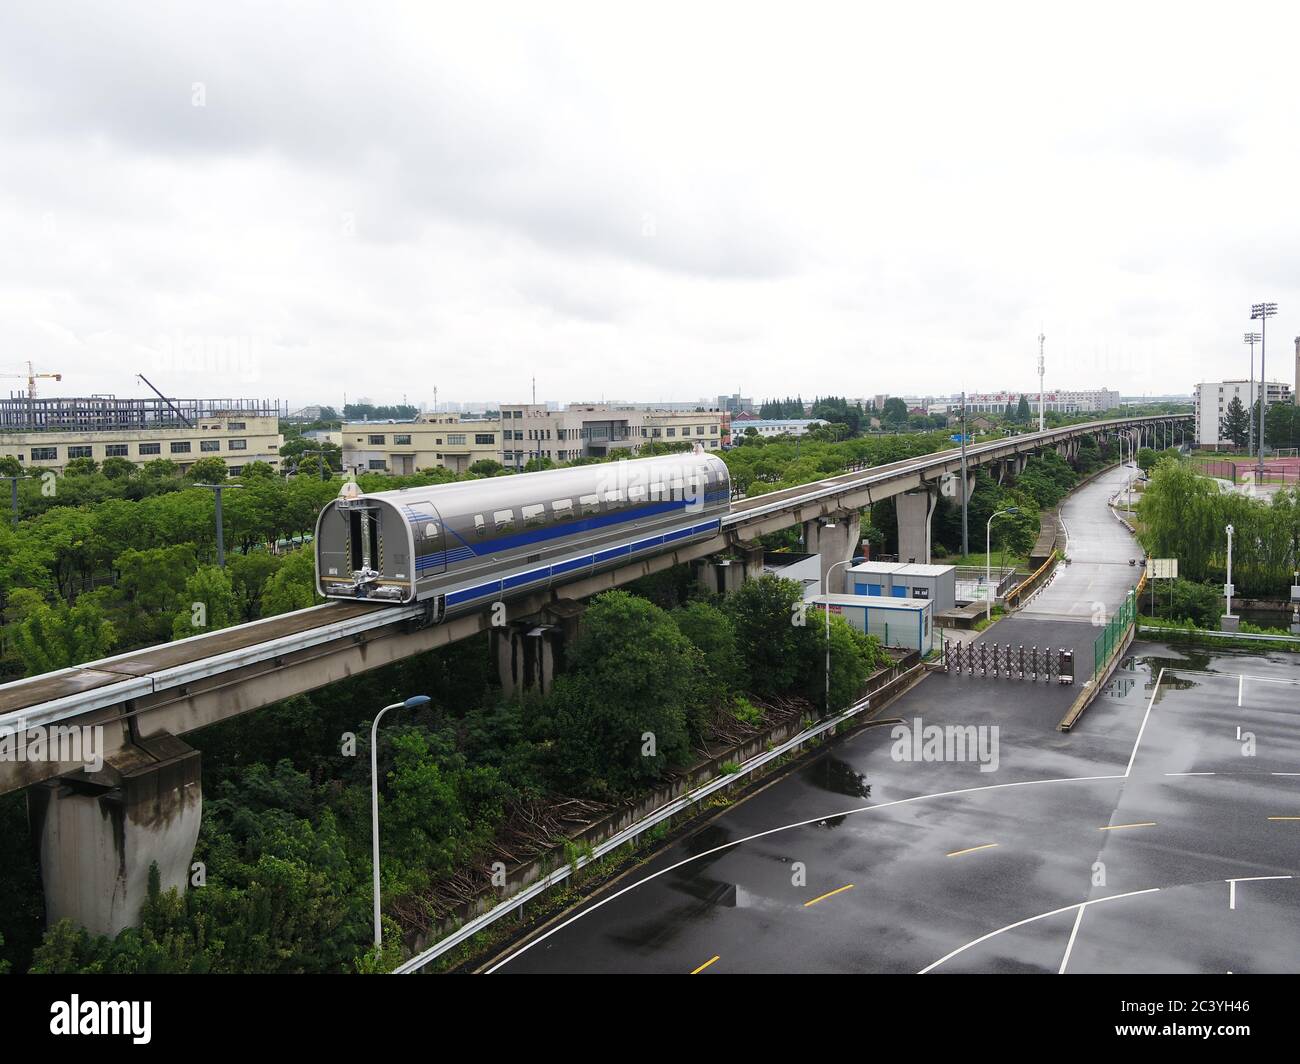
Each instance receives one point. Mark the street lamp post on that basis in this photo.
(826, 583)
(410, 703)
(965, 484)
(988, 559)
(1227, 588)
(1252, 339)
(13, 496)
(1261, 312)
(217, 489)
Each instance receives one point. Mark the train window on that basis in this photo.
(534, 515)
(613, 498)
(480, 526)
(431, 530)
(504, 520)
(562, 509)
(636, 493)
(590, 504)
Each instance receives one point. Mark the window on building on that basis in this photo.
(402, 439)
(180, 446)
(672, 432)
(209, 445)
(235, 470)
(115, 450)
(236, 426)
(378, 463)
(375, 440)
(456, 439)
(81, 452)
(151, 448)
(482, 438)
(44, 454)
(517, 413)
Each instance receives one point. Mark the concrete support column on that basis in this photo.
(98, 833)
(915, 508)
(835, 539)
(530, 650)
(722, 576)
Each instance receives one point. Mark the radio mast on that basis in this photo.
(1041, 338)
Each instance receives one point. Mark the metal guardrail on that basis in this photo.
(472, 927)
(1210, 633)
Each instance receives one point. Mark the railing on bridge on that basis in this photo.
(1114, 635)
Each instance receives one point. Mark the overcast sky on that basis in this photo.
(277, 199)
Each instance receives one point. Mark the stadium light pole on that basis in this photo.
(1261, 312)
(1252, 339)
(411, 703)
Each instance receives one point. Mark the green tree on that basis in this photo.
(1023, 413)
(117, 468)
(208, 604)
(293, 587)
(1236, 423)
(210, 470)
(621, 711)
(46, 637)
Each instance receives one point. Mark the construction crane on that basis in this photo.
(32, 377)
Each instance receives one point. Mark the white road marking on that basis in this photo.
(1232, 886)
(1189, 773)
(1069, 946)
(786, 827)
(1032, 919)
(1138, 741)
(1241, 683)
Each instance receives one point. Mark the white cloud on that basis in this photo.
(661, 205)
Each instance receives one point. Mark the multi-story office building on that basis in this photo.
(50, 433)
(404, 447)
(1090, 401)
(1211, 400)
(593, 430)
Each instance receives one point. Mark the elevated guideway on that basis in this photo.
(179, 687)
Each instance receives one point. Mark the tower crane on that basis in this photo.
(32, 377)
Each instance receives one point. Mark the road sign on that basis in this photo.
(1164, 568)
(957, 438)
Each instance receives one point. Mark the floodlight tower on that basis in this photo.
(1041, 338)
(1252, 339)
(1261, 312)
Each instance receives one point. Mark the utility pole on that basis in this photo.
(965, 484)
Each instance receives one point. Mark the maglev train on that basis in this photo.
(460, 546)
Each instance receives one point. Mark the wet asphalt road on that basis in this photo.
(870, 860)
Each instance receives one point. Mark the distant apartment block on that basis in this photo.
(1061, 401)
(1211, 400)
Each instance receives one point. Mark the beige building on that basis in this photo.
(235, 438)
(593, 430)
(403, 447)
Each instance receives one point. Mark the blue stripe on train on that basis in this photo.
(536, 575)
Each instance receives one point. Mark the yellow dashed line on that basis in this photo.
(1284, 818)
(828, 894)
(986, 846)
(704, 965)
(1119, 827)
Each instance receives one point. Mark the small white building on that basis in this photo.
(907, 623)
(906, 580)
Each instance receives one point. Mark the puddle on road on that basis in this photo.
(1194, 660)
(837, 776)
